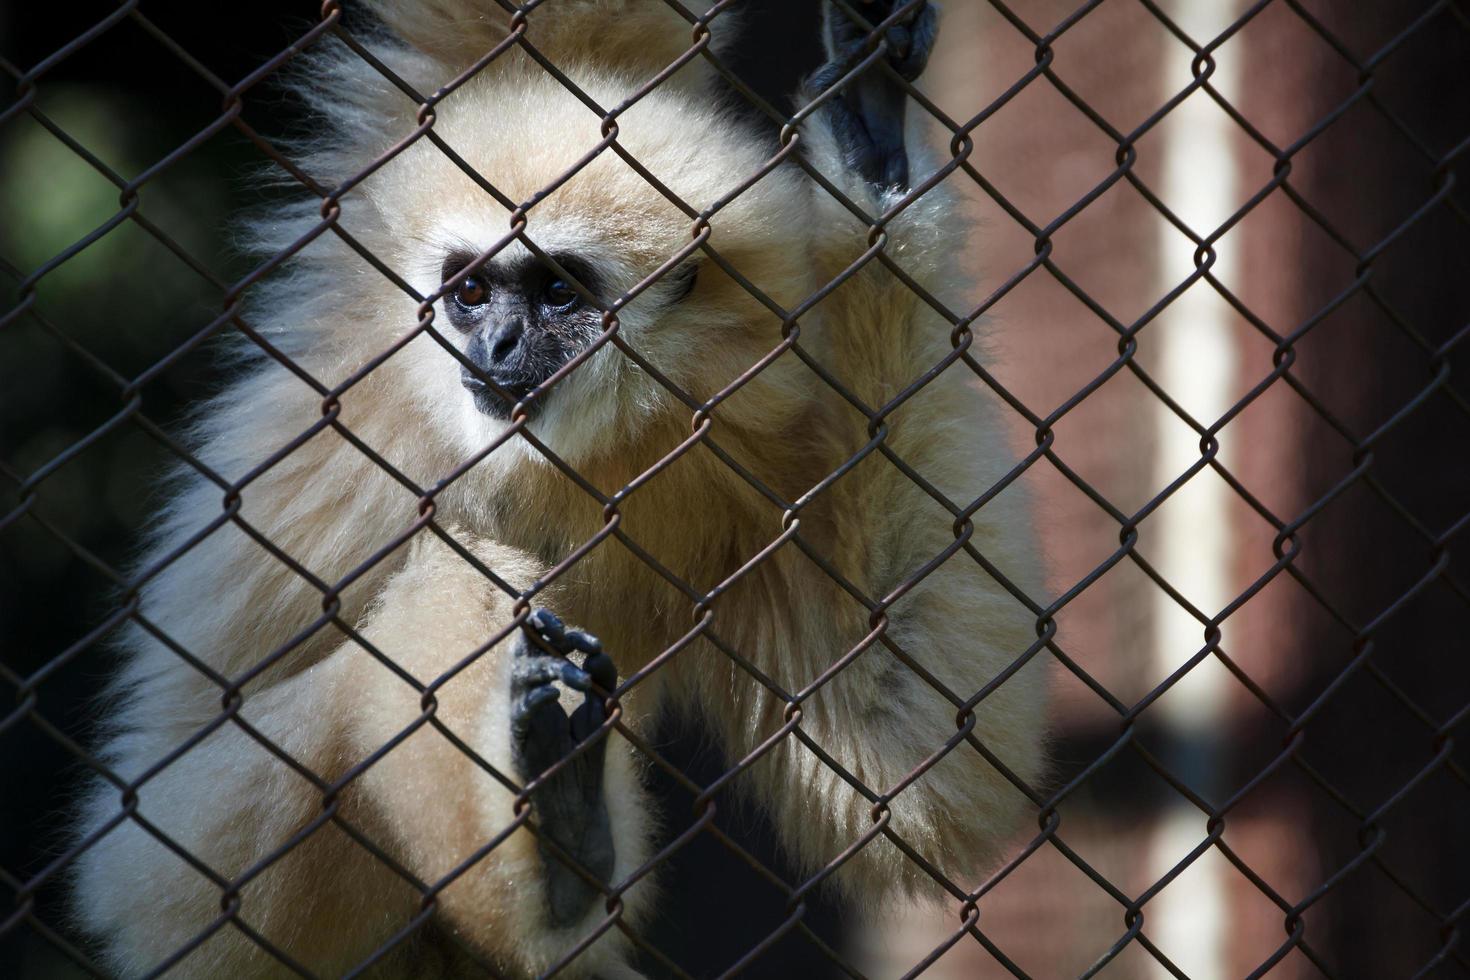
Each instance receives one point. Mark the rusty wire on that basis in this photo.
(26, 488)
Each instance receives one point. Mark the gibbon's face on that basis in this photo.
(519, 321)
(522, 322)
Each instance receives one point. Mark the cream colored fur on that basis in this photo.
(331, 705)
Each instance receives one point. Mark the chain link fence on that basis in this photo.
(1333, 718)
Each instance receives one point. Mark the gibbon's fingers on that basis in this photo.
(569, 806)
(603, 671)
(593, 712)
(910, 39)
(548, 627)
(532, 670)
(584, 642)
(587, 718)
(867, 117)
(535, 718)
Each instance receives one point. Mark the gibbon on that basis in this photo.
(355, 644)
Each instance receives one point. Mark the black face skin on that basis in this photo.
(523, 323)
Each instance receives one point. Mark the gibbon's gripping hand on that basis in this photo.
(867, 116)
(569, 807)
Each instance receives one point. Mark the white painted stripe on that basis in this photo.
(1192, 352)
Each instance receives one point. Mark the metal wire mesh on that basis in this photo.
(1432, 348)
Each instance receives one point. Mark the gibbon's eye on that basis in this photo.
(561, 297)
(471, 292)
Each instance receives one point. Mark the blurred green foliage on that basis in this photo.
(127, 301)
(125, 298)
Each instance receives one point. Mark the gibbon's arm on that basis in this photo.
(879, 717)
(327, 902)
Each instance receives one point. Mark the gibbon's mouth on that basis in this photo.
(491, 403)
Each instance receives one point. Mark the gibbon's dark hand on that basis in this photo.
(867, 117)
(569, 807)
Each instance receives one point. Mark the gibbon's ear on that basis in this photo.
(643, 36)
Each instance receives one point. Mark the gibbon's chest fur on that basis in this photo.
(700, 520)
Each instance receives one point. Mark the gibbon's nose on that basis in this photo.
(503, 340)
